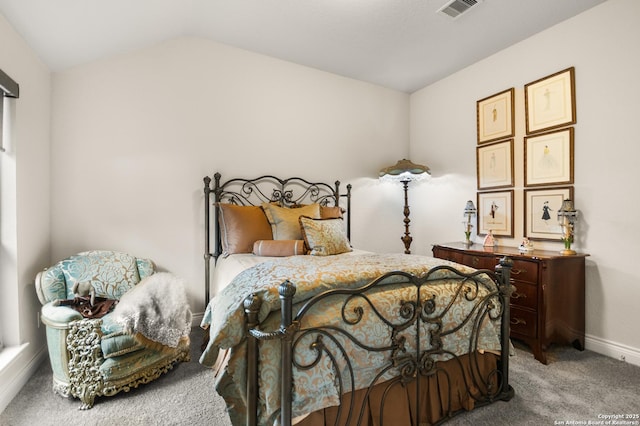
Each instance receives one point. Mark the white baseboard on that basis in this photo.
(13, 383)
(613, 350)
(196, 319)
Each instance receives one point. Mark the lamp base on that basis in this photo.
(567, 252)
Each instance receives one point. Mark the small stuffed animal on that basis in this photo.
(84, 289)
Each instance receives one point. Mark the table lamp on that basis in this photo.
(469, 212)
(567, 217)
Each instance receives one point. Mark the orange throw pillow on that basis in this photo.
(241, 226)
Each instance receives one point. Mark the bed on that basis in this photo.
(304, 329)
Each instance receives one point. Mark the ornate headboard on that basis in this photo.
(289, 192)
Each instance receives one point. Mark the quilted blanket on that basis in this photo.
(312, 275)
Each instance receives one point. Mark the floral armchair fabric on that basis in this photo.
(95, 357)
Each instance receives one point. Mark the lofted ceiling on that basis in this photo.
(400, 44)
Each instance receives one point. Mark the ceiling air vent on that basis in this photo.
(455, 8)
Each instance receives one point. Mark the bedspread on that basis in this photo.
(312, 275)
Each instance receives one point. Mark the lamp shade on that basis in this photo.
(404, 171)
(470, 209)
(567, 210)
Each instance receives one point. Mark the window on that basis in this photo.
(8, 89)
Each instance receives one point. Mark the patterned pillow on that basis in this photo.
(284, 221)
(241, 226)
(324, 237)
(110, 273)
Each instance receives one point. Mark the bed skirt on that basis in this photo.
(442, 394)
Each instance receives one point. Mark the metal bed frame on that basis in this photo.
(410, 360)
(289, 192)
(409, 363)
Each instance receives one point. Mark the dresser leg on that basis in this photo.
(536, 348)
(578, 344)
(539, 354)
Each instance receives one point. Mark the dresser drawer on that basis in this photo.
(525, 270)
(525, 295)
(479, 262)
(523, 322)
(451, 255)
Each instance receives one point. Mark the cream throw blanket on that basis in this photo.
(156, 312)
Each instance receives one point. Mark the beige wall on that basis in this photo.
(134, 135)
(24, 198)
(601, 44)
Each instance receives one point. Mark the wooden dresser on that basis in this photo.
(547, 305)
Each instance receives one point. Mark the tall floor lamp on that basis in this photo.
(405, 171)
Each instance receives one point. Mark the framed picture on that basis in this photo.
(541, 212)
(495, 213)
(495, 165)
(495, 117)
(548, 158)
(550, 102)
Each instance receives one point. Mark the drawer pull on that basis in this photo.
(518, 321)
(515, 271)
(516, 295)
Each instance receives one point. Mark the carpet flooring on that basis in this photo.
(575, 388)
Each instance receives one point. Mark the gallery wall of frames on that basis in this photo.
(547, 162)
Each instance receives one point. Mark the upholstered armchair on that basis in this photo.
(95, 356)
